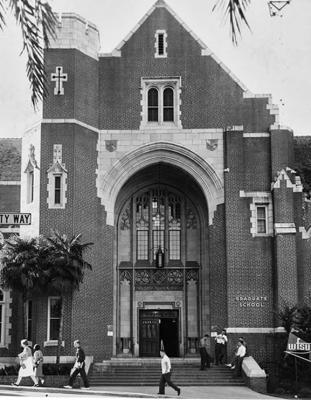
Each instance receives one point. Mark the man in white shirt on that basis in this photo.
(220, 347)
(240, 354)
(166, 374)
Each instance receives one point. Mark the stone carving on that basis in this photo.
(111, 145)
(192, 274)
(211, 144)
(59, 77)
(125, 222)
(191, 220)
(125, 275)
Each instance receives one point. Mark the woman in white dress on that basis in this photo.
(26, 365)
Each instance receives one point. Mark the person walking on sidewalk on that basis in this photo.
(26, 365)
(166, 374)
(38, 363)
(79, 367)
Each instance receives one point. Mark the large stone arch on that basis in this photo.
(203, 173)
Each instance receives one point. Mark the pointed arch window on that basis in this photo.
(168, 105)
(153, 105)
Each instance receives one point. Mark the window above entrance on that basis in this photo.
(160, 103)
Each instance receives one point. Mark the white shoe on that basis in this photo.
(232, 367)
(228, 365)
(68, 387)
(85, 388)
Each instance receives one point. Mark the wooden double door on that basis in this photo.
(158, 329)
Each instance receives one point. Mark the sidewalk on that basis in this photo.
(187, 392)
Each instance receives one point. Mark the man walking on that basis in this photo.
(166, 374)
(79, 367)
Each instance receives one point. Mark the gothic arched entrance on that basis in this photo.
(162, 263)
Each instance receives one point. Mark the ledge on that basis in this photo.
(255, 377)
(50, 343)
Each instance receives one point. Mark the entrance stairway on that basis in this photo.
(146, 372)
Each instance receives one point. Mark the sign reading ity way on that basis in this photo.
(15, 219)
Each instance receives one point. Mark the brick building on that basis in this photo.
(183, 180)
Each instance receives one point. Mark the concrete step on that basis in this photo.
(147, 373)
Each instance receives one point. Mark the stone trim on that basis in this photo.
(283, 176)
(235, 128)
(160, 83)
(57, 169)
(109, 184)
(10, 183)
(156, 44)
(284, 227)
(305, 234)
(70, 121)
(52, 343)
(260, 199)
(256, 134)
(279, 329)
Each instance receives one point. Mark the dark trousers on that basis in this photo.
(80, 371)
(205, 360)
(238, 366)
(220, 350)
(166, 378)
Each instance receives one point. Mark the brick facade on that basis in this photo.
(227, 157)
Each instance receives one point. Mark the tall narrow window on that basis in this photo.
(54, 316)
(161, 44)
(30, 186)
(261, 219)
(2, 307)
(153, 105)
(57, 190)
(168, 105)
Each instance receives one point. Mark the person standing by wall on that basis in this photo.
(220, 347)
(205, 359)
(166, 374)
(26, 365)
(79, 367)
(38, 364)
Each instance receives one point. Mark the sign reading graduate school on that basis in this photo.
(15, 219)
(253, 301)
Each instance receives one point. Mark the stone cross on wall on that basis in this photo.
(59, 77)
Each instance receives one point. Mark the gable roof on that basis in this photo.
(10, 159)
(205, 50)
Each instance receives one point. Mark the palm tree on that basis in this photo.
(44, 265)
(64, 270)
(20, 259)
(37, 22)
(235, 11)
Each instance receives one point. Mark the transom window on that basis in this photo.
(161, 103)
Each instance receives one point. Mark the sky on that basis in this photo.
(274, 57)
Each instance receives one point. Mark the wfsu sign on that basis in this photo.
(295, 344)
(15, 219)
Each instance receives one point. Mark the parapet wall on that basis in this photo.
(74, 32)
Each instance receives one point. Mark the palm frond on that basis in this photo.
(234, 10)
(36, 21)
(2, 13)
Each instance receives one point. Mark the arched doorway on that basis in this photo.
(161, 261)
